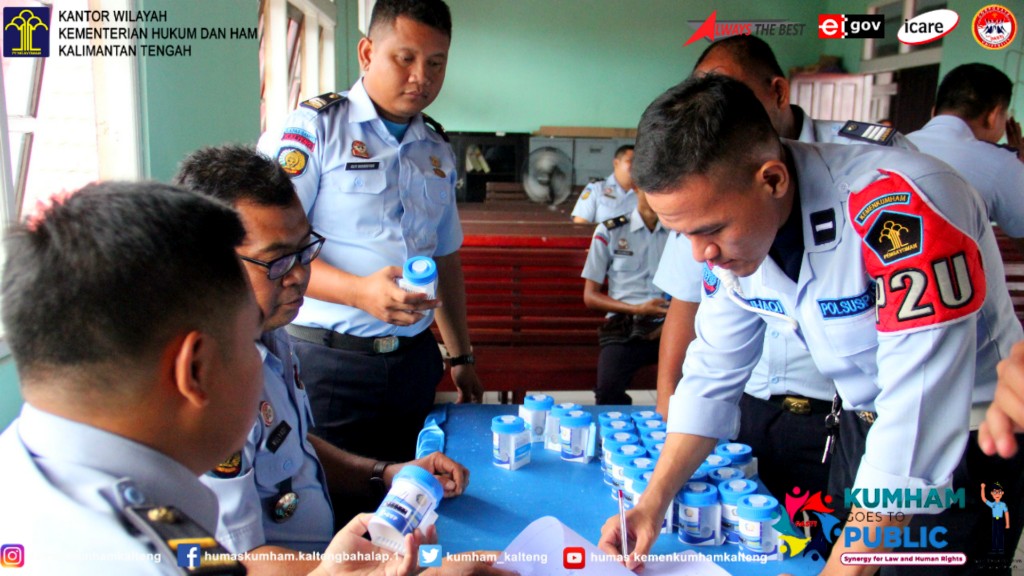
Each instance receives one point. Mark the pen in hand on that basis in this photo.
(622, 526)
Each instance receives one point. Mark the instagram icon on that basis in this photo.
(12, 556)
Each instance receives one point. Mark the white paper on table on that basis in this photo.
(547, 537)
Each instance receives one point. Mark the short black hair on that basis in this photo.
(234, 173)
(696, 125)
(112, 273)
(972, 90)
(622, 150)
(433, 13)
(753, 53)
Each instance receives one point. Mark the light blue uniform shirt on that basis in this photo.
(628, 256)
(600, 201)
(920, 382)
(376, 200)
(998, 509)
(54, 474)
(785, 366)
(995, 172)
(268, 459)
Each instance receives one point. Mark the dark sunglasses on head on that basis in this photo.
(278, 267)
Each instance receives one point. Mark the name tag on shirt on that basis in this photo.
(277, 437)
(362, 166)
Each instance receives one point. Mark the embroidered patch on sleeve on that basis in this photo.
(926, 271)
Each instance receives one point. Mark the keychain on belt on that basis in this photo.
(831, 428)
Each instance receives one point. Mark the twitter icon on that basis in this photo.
(430, 555)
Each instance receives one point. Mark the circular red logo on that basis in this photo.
(994, 27)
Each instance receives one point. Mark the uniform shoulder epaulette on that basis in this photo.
(436, 127)
(177, 536)
(613, 223)
(323, 101)
(868, 132)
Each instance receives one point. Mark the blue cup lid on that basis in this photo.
(606, 417)
(642, 415)
(756, 507)
(639, 485)
(716, 461)
(738, 453)
(575, 419)
(636, 467)
(559, 409)
(622, 455)
(649, 425)
(538, 402)
(507, 424)
(733, 490)
(615, 426)
(616, 439)
(725, 473)
(425, 480)
(699, 494)
(420, 270)
(655, 449)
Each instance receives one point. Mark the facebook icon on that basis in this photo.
(189, 555)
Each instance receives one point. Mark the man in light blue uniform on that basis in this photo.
(886, 227)
(274, 492)
(625, 250)
(379, 183)
(786, 399)
(971, 112)
(158, 384)
(613, 197)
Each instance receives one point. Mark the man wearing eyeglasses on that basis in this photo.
(275, 493)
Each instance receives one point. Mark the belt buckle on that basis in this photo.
(868, 417)
(792, 404)
(385, 344)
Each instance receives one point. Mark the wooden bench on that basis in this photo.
(524, 298)
(1013, 263)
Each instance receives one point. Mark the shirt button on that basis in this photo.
(775, 333)
(774, 380)
(288, 464)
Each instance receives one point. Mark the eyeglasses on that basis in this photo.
(278, 267)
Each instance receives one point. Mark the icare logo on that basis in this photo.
(928, 27)
(574, 558)
(12, 556)
(835, 26)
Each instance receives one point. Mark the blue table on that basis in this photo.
(499, 503)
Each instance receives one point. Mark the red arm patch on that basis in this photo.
(926, 270)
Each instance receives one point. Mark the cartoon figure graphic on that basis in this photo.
(1000, 516)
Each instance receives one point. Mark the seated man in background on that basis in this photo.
(132, 326)
(276, 491)
(971, 116)
(600, 201)
(625, 250)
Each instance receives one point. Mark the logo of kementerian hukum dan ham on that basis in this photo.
(807, 511)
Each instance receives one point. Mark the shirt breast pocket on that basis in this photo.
(855, 339)
(351, 202)
(437, 191)
(625, 263)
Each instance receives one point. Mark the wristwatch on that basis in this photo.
(460, 360)
(377, 477)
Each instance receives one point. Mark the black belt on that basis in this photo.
(339, 341)
(800, 404)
